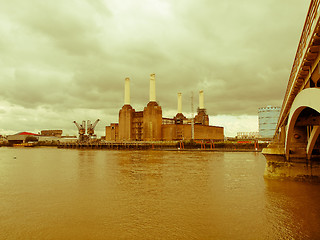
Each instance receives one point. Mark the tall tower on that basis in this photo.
(201, 100)
(152, 115)
(127, 91)
(201, 118)
(179, 102)
(179, 117)
(126, 114)
(152, 90)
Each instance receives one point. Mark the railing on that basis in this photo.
(302, 48)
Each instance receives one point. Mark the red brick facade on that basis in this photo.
(126, 115)
(152, 122)
(149, 125)
(112, 132)
(172, 132)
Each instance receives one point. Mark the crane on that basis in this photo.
(90, 127)
(81, 129)
(86, 126)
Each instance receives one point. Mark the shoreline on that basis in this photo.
(143, 149)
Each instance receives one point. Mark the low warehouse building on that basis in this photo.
(22, 137)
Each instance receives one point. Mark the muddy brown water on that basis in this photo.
(49, 193)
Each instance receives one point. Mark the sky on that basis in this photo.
(62, 61)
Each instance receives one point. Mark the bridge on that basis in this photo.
(297, 134)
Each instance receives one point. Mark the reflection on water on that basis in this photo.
(85, 194)
(295, 207)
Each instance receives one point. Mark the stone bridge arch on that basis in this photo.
(307, 98)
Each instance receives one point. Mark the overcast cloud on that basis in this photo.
(66, 60)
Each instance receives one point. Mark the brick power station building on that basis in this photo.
(149, 125)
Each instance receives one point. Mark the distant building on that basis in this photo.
(22, 137)
(268, 119)
(150, 125)
(3, 139)
(55, 133)
(247, 135)
(112, 132)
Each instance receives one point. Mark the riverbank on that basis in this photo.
(248, 146)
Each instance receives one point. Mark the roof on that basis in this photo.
(27, 133)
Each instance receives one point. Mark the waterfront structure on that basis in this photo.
(3, 139)
(55, 133)
(268, 118)
(90, 130)
(150, 125)
(22, 137)
(247, 135)
(296, 137)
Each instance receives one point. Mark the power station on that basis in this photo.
(150, 125)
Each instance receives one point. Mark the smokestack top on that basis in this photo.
(179, 102)
(201, 100)
(127, 91)
(152, 92)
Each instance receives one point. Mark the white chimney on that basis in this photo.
(152, 88)
(201, 100)
(127, 91)
(179, 102)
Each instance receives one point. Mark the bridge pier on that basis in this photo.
(277, 167)
(296, 167)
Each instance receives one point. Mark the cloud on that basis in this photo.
(69, 57)
(234, 124)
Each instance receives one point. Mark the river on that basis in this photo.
(49, 193)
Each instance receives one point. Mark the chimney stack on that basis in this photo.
(179, 102)
(152, 92)
(127, 91)
(201, 100)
